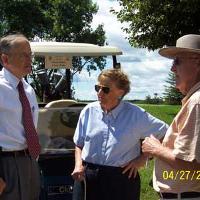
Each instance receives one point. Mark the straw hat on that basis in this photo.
(187, 43)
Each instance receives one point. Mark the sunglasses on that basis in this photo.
(178, 61)
(106, 90)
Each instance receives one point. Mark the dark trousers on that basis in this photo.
(107, 183)
(22, 178)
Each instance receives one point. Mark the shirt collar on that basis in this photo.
(12, 79)
(191, 91)
(115, 112)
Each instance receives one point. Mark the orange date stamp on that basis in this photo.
(181, 175)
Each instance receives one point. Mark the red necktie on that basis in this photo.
(31, 134)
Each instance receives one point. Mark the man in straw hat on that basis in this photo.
(177, 166)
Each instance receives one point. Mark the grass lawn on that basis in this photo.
(147, 191)
(165, 113)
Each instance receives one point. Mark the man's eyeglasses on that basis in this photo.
(26, 55)
(178, 60)
(106, 90)
(22, 55)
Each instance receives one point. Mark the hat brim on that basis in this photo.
(172, 52)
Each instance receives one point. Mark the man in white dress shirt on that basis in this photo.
(19, 176)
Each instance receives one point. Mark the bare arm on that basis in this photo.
(78, 173)
(153, 147)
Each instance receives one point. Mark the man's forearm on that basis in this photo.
(165, 154)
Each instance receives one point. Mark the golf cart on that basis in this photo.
(57, 119)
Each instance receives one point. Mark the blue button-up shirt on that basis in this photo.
(113, 138)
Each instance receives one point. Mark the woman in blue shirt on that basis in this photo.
(108, 138)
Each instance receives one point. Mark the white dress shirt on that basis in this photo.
(12, 134)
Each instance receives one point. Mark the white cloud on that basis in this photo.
(147, 70)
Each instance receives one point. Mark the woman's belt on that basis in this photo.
(102, 167)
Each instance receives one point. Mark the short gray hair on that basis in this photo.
(8, 42)
(120, 79)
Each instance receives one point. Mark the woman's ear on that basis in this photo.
(121, 93)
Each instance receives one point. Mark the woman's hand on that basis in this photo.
(2, 185)
(78, 173)
(134, 165)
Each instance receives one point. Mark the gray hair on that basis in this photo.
(120, 79)
(8, 42)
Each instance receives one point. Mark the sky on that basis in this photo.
(147, 70)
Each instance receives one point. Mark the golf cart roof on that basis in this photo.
(72, 49)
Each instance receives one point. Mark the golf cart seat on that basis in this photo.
(60, 103)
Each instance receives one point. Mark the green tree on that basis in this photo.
(154, 23)
(171, 94)
(148, 99)
(25, 16)
(57, 20)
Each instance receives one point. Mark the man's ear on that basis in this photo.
(4, 59)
